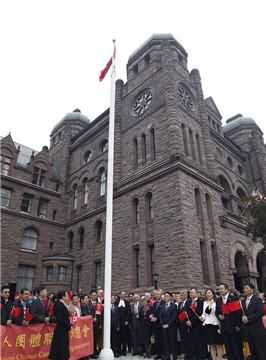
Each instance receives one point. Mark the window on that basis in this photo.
(49, 273)
(42, 208)
(38, 176)
(152, 263)
(97, 273)
(147, 58)
(240, 170)
(25, 275)
(104, 145)
(99, 231)
(144, 155)
(75, 196)
(199, 209)
(191, 140)
(87, 156)
(204, 263)
(149, 203)
(57, 187)
(5, 164)
(137, 267)
(184, 135)
(70, 240)
(152, 138)
(215, 260)
(79, 277)
(62, 273)
(102, 176)
(85, 191)
(230, 162)
(135, 69)
(81, 238)
(29, 239)
(26, 203)
(210, 214)
(136, 211)
(135, 153)
(5, 197)
(198, 148)
(54, 214)
(225, 197)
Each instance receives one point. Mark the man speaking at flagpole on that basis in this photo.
(107, 353)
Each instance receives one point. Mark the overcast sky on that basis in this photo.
(52, 52)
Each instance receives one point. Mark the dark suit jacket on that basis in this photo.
(182, 324)
(115, 318)
(38, 311)
(168, 316)
(254, 313)
(135, 320)
(192, 314)
(231, 320)
(155, 311)
(124, 312)
(18, 320)
(5, 308)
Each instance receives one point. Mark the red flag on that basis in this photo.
(183, 316)
(28, 316)
(1, 305)
(99, 309)
(51, 309)
(16, 311)
(107, 67)
(234, 306)
(70, 294)
(194, 306)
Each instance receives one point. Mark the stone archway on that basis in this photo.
(241, 274)
(261, 269)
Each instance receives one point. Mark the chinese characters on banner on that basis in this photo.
(35, 340)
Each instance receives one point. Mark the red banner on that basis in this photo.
(34, 341)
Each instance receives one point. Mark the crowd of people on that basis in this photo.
(186, 324)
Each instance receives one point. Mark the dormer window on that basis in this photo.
(38, 176)
(104, 145)
(87, 156)
(5, 164)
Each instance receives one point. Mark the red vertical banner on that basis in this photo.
(35, 340)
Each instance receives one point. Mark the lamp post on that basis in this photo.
(155, 278)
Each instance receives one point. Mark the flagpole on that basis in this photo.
(107, 353)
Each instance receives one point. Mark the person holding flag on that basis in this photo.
(228, 311)
(20, 310)
(182, 318)
(252, 314)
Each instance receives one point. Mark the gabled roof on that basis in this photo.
(211, 104)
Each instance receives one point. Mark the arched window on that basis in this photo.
(143, 145)
(210, 214)
(191, 140)
(242, 201)
(198, 148)
(70, 237)
(85, 191)
(135, 153)
(104, 145)
(81, 237)
(29, 239)
(75, 196)
(152, 142)
(225, 197)
(102, 177)
(198, 203)
(135, 211)
(230, 161)
(99, 231)
(184, 135)
(87, 156)
(150, 207)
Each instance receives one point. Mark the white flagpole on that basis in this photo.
(107, 352)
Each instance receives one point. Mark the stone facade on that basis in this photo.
(179, 180)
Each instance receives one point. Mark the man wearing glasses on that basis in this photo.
(5, 306)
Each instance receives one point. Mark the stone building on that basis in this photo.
(180, 177)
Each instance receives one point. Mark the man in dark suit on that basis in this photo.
(252, 319)
(167, 318)
(124, 315)
(38, 308)
(20, 308)
(194, 309)
(92, 305)
(230, 323)
(115, 327)
(181, 322)
(156, 326)
(136, 318)
(5, 305)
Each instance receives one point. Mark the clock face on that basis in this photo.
(186, 96)
(142, 102)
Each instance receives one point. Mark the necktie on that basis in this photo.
(181, 305)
